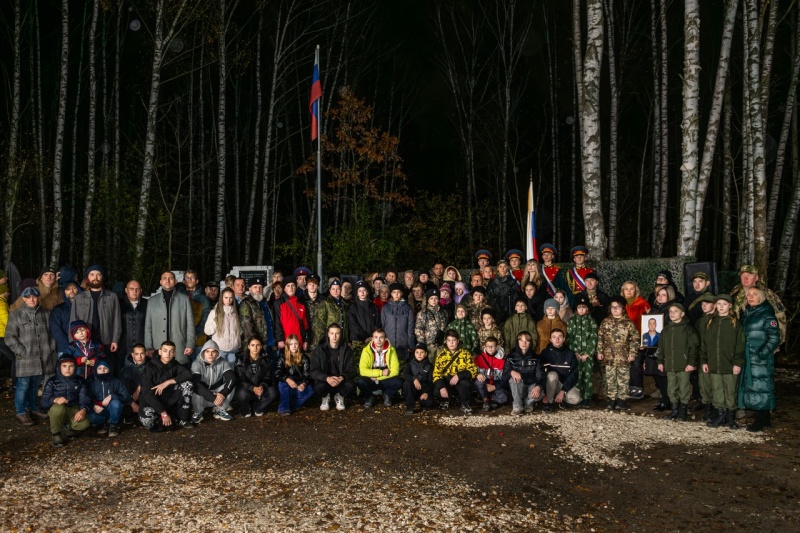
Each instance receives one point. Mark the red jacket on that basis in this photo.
(635, 311)
(490, 366)
(288, 312)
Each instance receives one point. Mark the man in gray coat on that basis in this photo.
(28, 336)
(99, 308)
(170, 318)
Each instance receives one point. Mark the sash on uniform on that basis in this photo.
(551, 289)
(578, 280)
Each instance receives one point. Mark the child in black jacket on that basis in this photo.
(418, 379)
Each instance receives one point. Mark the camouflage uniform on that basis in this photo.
(329, 312)
(582, 331)
(617, 340)
(475, 311)
(703, 379)
(493, 331)
(467, 334)
(738, 295)
(312, 305)
(252, 320)
(431, 323)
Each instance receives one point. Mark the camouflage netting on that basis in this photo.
(613, 273)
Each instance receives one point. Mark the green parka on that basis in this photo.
(723, 344)
(762, 337)
(678, 346)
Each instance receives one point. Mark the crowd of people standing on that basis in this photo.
(527, 334)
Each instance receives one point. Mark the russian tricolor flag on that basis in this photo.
(532, 248)
(313, 101)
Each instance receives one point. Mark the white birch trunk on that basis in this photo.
(36, 87)
(14, 171)
(789, 230)
(690, 128)
(160, 42)
(727, 181)
(664, 100)
(758, 163)
(248, 234)
(90, 158)
(590, 126)
(775, 187)
(712, 130)
(656, 187)
(221, 149)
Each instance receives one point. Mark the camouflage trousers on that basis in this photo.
(724, 388)
(585, 371)
(679, 387)
(176, 400)
(617, 379)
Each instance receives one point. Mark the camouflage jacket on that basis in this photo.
(449, 364)
(495, 332)
(311, 310)
(617, 340)
(582, 332)
(739, 303)
(327, 313)
(466, 332)
(253, 321)
(431, 321)
(475, 311)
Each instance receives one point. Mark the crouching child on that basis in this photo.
(453, 373)
(418, 376)
(66, 399)
(255, 388)
(489, 382)
(109, 397)
(559, 373)
(213, 381)
(521, 368)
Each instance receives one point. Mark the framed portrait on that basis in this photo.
(651, 330)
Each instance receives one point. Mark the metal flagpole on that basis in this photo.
(319, 178)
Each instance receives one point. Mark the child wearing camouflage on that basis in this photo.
(463, 325)
(722, 357)
(582, 332)
(677, 356)
(489, 328)
(453, 373)
(617, 342)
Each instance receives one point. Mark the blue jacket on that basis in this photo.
(398, 322)
(59, 324)
(105, 384)
(73, 388)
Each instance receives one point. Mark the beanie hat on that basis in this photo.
(665, 274)
(67, 358)
(487, 311)
(551, 302)
(446, 287)
(480, 288)
(395, 287)
(287, 280)
(591, 275)
(74, 326)
(102, 362)
(97, 268)
(617, 299)
(45, 270)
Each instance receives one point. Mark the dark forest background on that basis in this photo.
(436, 115)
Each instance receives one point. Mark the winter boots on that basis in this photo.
(761, 422)
(673, 415)
(730, 419)
(718, 420)
(708, 414)
(683, 414)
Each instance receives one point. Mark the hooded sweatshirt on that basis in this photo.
(104, 385)
(214, 377)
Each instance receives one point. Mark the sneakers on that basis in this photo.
(258, 413)
(387, 400)
(585, 404)
(25, 419)
(622, 405)
(369, 403)
(486, 406)
(282, 413)
(222, 414)
(188, 424)
(197, 418)
(516, 411)
(102, 430)
(113, 430)
(58, 441)
(636, 393)
(466, 409)
(546, 408)
(611, 405)
(444, 405)
(326, 403)
(529, 406)
(339, 399)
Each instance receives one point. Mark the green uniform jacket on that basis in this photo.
(701, 327)
(678, 346)
(328, 313)
(762, 336)
(466, 333)
(582, 332)
(723, 345)
(516, 324)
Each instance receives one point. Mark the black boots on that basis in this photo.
(662, 405)
(718, 420)
(761, 422)
(730, 419)
(683, 414)
(709, 410)
(673, 415)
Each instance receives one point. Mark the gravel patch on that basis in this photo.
(127, 491)
(614, 439)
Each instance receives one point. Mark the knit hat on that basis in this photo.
(93, 268)
(67, 358)
(665, 274)
(424, 271)
(480, 288)
(45, 270)
(446, 287)
(617, 299)
(395, 287)
(551, 302)
(432, 292)
(102, 362)
(591, 275)
(287, 280)
(74, 326)
(487, 311)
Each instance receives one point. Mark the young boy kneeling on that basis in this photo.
(453, 373)
(109, 396)
(166, 392)
(418, 384)
(213, 380)
(489, 383)
(560, 372)
(66, 399)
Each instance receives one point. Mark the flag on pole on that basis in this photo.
(313, 101)
(532, 248)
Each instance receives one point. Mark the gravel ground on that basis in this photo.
(602, 438)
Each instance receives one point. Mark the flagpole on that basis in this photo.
(319, 179)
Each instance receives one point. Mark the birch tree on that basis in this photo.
(256, 141)
(690, 128)
(608, 7)
(90, 158)
(221, 148)
(58, 151)
(590, 126)
(161, 41)
(14, 171)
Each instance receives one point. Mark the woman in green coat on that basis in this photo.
(762, 337)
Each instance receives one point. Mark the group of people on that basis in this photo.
(518, 333)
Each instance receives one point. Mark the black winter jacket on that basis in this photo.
(327, 361)
(298, 373)
(563, 362)
(526, 363)
(250, 374)
(156, 373)
(73, 388)
(132, 324)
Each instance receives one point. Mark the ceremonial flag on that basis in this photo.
(313, 101)
(532, 248)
